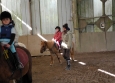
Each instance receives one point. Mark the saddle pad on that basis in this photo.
(22, 56)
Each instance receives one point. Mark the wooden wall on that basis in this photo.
(96, 42)
(33, 43)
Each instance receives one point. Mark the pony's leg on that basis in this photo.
(58, 56)
(27, 78)
(72, 54)
(52, 61)
(18, 81)
(13, 81)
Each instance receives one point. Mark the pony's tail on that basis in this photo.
(72, 52)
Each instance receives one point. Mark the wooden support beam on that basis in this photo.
(75, 25)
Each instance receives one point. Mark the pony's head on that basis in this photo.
(43, 46)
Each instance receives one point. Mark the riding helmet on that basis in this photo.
(5, 14)
(66, 27)
(57, 27)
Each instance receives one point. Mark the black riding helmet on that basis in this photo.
(5, 14)
(66, 27)
(57, 27)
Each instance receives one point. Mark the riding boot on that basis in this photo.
(68, 65)
(19, 64)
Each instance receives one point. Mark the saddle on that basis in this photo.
(57, 47)
(10, 58)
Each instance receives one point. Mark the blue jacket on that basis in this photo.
(5, 32)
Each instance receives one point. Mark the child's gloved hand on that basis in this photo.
(54, 40)
(7, 45)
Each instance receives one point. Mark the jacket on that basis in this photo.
(58, 36)
(67, 39)
(5, 32)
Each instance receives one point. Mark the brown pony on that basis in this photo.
(20, 75)
(53, 50)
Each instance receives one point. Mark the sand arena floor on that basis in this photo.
(98, 68)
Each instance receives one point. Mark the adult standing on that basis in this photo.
(67, 40)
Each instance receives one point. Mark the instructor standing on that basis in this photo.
(67, 39)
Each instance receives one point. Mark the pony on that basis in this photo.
(51, 45)
(20, 75)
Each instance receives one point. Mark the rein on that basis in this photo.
(6, 56)
(5, 53)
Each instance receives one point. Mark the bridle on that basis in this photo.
(44, 48)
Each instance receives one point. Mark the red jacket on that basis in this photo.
(58, 36)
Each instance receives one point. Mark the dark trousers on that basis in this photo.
(66, 54)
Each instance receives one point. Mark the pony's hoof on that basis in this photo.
(60, 62)
(51, 64)
(67, 69)
(74, 60)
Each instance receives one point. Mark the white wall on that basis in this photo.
(44, 16)
(65, 13)
(47, 14)
(35, 15)
(20, 11)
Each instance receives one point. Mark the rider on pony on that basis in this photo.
(57, 36)
(7, 35)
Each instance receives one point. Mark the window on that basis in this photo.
(92, 10)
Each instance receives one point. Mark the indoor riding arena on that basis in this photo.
(92, 24)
